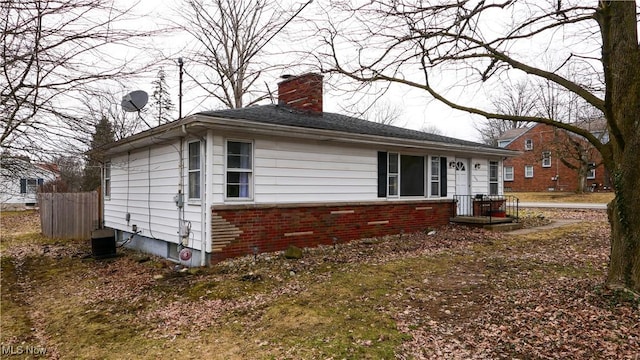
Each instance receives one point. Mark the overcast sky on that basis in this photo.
(419, 110)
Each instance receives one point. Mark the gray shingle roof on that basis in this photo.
(511, 134)
(282, 115)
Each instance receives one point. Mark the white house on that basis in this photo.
(225, 183)
(20, 180)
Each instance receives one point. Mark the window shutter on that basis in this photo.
(23, 186)
(382, 174)
(443, 176)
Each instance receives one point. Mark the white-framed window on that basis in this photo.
(493, 178)
(393, 174)
(30, 186)
(107, 179)
(435, 176)
(528, 144)
(239, 167)
(546, 159)
(528, 171)
(591, 172)
(503, 143)
(508, 173)
(194, 170)
(403, 175)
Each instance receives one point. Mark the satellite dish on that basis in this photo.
(134, 101)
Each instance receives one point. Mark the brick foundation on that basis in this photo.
(241, 228)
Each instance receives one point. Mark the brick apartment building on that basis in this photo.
(547, 157)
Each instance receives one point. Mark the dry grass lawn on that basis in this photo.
(567, 197)
(458, 294)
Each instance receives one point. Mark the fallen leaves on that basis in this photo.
(19, 222)
(458, 293)
(541, 300)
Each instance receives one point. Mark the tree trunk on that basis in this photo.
(582, 179)
(621, 59)
(624, 266)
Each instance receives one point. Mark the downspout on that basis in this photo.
(180, 196)
(558, 185)
(101, 196)
(203, 209)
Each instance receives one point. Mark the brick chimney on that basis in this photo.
(303, 92)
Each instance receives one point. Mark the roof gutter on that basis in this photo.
(169, 131)
(339, 136)
(157, 135)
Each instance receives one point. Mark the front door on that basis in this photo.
(462, 187)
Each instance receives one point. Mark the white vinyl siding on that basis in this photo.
(451, 179)
(283, 170)
(479, 176)
(152, 184)
(14, 184)
(313, 171)
(290, 171)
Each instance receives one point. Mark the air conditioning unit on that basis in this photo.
(103, 243)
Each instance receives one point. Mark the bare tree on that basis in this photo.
(381, 112)
(517, 99)
(547, 99)
(106, 104)
(70, 169)
(54, 53)
(578, 155)
(432, 129)
(573, 150)
(232, 36)
(415, 43)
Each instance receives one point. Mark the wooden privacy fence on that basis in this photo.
(69, 215)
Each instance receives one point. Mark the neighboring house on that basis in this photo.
(553, 159)
(20, 181)
(257, 179)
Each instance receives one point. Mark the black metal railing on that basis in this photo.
(491, 206)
